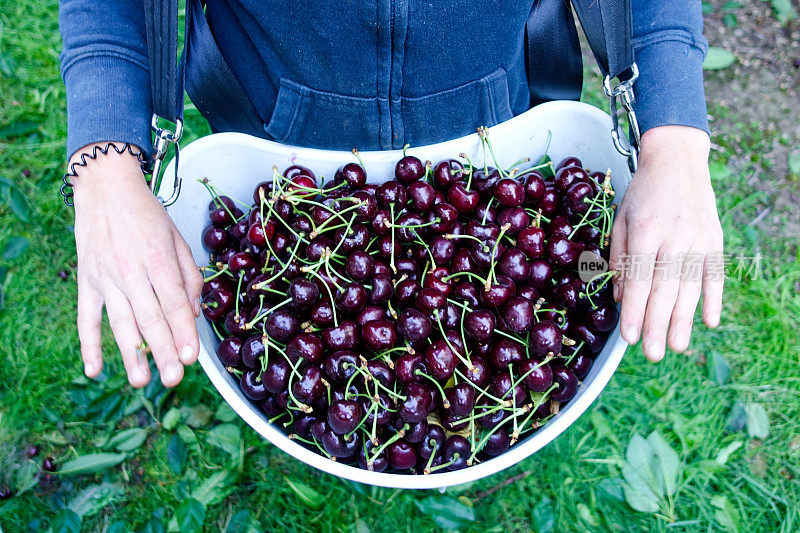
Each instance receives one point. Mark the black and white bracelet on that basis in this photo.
(85, 158)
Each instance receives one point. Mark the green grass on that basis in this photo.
(43, 400)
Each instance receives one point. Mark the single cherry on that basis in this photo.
(342, 337)
(353, 173)
(307, 346)
(417, 404)
(414, 325)
(344, 416)
(440, 360)
(447, 172)
(509, 192)
(567, 384)
(379, 335)
(461, 398)
(409, 169)
(545, 338)
(538, 376)
(479, 324)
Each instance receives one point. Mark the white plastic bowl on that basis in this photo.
(235, 162)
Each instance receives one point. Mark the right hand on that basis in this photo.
(133, 260)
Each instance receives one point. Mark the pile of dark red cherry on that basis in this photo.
(418, 325)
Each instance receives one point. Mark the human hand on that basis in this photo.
(133, 260)
(668, 214)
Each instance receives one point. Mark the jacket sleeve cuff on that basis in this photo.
(108, 99)
(669, 91)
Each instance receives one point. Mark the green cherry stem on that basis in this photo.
(327, 289)
(486, 211)
(435, 445)
(488, 143)
(224, 270)
(212, 190)
(444, 465)
(397, 436)
(480, 390)
(492, 276)
(263, 315)
(445, 402)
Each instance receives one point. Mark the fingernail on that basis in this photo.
(187, 355)
(681, 341)
(654, 350)
(90, 369)
(172, 374)
(138, 375)
(631, 335)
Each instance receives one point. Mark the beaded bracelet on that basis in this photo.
(85, 157)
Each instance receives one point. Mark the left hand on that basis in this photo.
(668, 215)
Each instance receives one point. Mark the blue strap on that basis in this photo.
(608, 25)
(555, 69)
(210, 82)
(553, 50)
(166, 80)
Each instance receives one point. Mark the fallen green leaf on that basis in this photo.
(446, 512)
(610, 490)
(225, 413)
(19, 204)
(186, 434)
(725, 453)
(127, 439)
(726, 514)
(118, 526)
(719, 170)
(737, 418)
(15, 247)
(784, 11)
(176, 454)
(719, 370)
(94, 498)
(214, 489)
(757, 421)
(361, 526)
(190, 515)
(543, 519)
(154, 525)
(718, 58)
(25, 477)
(197, 416)
(638, 489)
(171, 419)
(794, 163)
(241, 522)
(639, 453)
(310, 497)
(668, 463)
(602, 426)
(66, 521)
(226, 437)
(93, 462)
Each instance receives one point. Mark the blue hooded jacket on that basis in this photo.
(373, 75)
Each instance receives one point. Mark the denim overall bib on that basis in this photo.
(339, 74)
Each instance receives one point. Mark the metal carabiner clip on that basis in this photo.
(163, 138)
(624, 92)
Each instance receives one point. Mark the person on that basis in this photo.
(379, 75)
